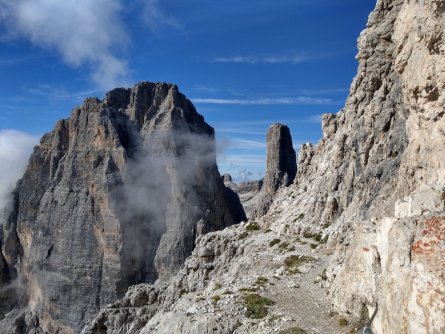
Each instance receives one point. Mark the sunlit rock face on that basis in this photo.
(375, 183)
(115, 195)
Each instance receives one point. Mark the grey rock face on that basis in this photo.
(371, 193)
(115, 195)
(374, 183)
(281, 168)
(281, 159)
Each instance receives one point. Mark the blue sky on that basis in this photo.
(244, 64)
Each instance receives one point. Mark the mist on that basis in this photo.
(166, 190)
(15, 150)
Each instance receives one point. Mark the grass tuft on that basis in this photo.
(342, 322)
(256, 305)
(261, 280)
(274, 242)
(253, 226)
(293, 330)
(243, 235)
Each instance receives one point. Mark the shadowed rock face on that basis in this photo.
(115, 195)
(281, 159)
(281, 168)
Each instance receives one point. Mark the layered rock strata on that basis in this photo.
(375, 182)
(115, 195)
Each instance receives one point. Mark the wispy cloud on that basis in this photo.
(248, 160)
(266, 101)
(243, 131)
(276, 59)
(14, 61)
(155, 17)
(15, 148)
(59, 92)
(204, 89)
(245, 144)
(82, 32)
(314, 119)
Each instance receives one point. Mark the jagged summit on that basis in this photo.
(115, 195)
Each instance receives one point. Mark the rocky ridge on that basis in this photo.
(369, 197)
(115, 195)
(375, 182)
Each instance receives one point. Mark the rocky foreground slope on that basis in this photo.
(369, 198)
(115, 195)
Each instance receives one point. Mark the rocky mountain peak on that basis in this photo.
(115, 195)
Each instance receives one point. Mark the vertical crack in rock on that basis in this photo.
(115, 195)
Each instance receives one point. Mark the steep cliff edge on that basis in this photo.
(368, 198)
(115, 195)
(375, 183)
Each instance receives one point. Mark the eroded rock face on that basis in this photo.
(372, 188)
(374, 183)
(115, 195)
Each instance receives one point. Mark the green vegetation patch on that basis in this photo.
(253, 226)
(253, 289)
(243, 235)
(183, 292)
(318, 237)
(294, 261)
(216, 299)
(256, 305)
(285, 247)
(217, 286)
(309, 235)
(293, 330)
(274, 242)
(261, 280)
(342, 322)
(299, 217)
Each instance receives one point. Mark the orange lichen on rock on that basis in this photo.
(429, 248)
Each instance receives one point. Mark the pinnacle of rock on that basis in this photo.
(281, 165)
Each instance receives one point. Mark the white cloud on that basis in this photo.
(245, 144)
(156, 18)
(244, 159)
(13, 61)
(60, 93)
(82, 32)
(314, 118)
(244, 176)
(265, 101)
(294, 59)
(15, 149)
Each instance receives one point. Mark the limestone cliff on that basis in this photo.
(115, 195)
(375, 182)
(368, 198)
